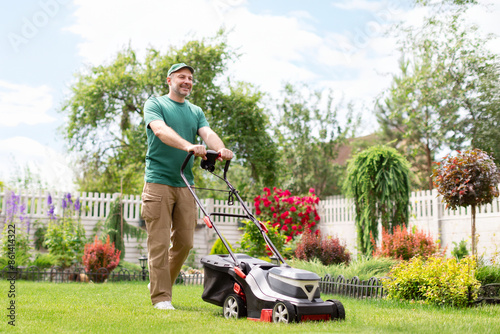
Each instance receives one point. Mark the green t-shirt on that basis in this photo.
(163, 162)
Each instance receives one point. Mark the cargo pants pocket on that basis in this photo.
(151, 207)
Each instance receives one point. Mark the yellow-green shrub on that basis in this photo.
(436, 280)
(219, 248)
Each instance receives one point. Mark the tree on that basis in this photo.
(105, 119)
(309, 136)
(469, 179)
(116, 228)
(378, 181)
(446, 94)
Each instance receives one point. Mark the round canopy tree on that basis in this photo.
(378, 180)
(469, 179)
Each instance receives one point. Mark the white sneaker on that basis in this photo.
(166, 305)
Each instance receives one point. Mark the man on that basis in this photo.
(168, 207)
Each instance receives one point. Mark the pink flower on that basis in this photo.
(276, 224)
(288, 221)
(267, 191)
(272, 209)
(284, 215)
(258, 212)
(284, 228)
(311, 190)
(274, 215)
(293, 209)
(294, 227)
(288, 238)
(317, 218)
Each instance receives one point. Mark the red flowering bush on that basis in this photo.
(290, 214)
(99, 255)
(403, 244)
(328, 250)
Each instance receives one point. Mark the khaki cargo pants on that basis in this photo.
(170, 215)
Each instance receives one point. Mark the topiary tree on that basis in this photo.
(378, 181)
(469, 179)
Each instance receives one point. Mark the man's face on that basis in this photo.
(181, 82)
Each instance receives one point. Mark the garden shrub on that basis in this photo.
(290, 214)
(100, 255)
(65, 237)
(488, 274)
(44, 260)
(364, 267)
(253, 244)
(219, 248)
(460, 250)
(403, 244)
(437, 280)
(328, 250)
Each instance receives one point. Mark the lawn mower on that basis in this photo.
(245, 286)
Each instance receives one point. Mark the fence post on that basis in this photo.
(436, 214)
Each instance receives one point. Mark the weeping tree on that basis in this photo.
(378, 181)
(469, 179)
(117, 228)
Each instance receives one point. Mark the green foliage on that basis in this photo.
(488, 274)
(100, 255)
(378, 181)
(113, 228)
(219, 248)
(65, 239)
(436, 280)
(44, 260)
(460, 250)
(447, 93)
(328, 250)
(470, 178)
(129, 266)
(20, 250)
(253, 243)
(403, 244)
(363, 267)
(113, 95)
(39, 236)
(309, 136)
(191, 259)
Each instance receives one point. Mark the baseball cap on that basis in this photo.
(176, 67)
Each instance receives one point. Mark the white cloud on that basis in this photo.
(53, 168)
(22, 104)
(363, 4)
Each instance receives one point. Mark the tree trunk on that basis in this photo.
(428, 158)
(473, 229)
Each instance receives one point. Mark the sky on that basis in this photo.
(337, 44)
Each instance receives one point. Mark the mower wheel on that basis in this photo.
(338, 311)
(234, 307)
(283, 311)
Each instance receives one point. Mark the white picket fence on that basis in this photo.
(337, 219)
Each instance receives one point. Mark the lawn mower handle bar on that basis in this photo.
(242, 203)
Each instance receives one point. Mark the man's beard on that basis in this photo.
(179, 92)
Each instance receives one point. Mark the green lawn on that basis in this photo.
(126, 308)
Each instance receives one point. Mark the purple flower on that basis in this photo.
(77, 204)
(14, 208)
(50, 212)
